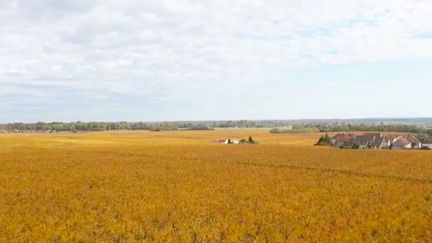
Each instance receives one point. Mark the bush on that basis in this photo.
(250, 140)
(324, 140)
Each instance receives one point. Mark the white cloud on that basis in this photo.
(189, 49)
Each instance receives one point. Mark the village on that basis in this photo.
(377, 141)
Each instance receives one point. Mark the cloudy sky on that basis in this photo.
(195, 60)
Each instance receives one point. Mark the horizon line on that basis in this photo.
(225, 120)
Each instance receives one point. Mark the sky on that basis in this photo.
(164, 60)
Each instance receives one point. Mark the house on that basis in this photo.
(426, 142)
(391, 139)
(228, 141)
(402, 143)
(415, 142)
(368, 140)
(340, 139)
(379, 143)
(364, 141)
(232, 141)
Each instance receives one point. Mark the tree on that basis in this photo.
(324, 140)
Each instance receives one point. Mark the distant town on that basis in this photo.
(377, 141)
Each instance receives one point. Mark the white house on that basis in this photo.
(231, 141)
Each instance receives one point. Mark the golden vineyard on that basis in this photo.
(184, 187)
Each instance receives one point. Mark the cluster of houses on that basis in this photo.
(380, 141)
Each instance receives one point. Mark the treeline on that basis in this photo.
(296, 129)
(151, 126)
(353, 128)
(378, 128)
(206, 125)
(99, 126)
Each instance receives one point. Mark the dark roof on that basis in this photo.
(377, 142)
(371, 136)
(367, 138)
(391, 137)
(359, 140)
(427, 140)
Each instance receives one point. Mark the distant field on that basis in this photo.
(180, 186)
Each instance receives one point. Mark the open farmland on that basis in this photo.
(179, 186)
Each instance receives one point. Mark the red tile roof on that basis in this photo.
(341, 137)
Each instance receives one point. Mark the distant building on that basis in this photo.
(380, 141)
(415, 142)
(231, 141)
(402, 143)
(228, 141)
(340, 139)
(426, 142)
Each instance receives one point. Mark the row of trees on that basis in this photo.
(99, 126)
(352, 128)
(378, 128)
(204, 125)
(296, 129)
(153, 126)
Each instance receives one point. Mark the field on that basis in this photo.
(182, 187)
